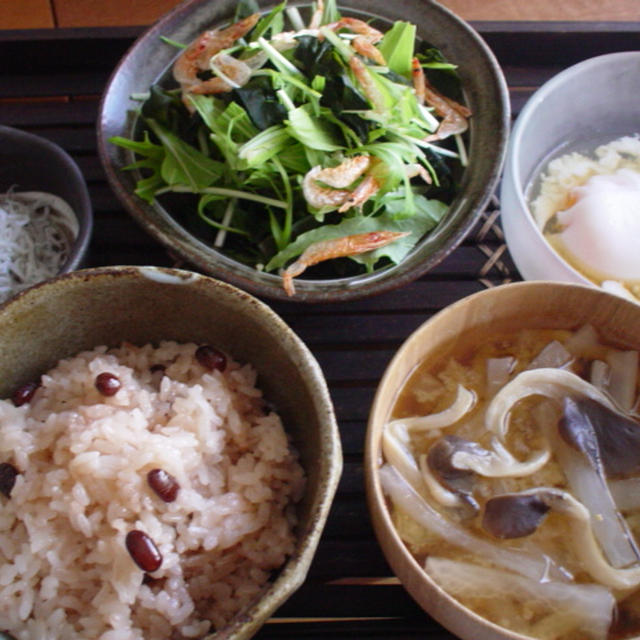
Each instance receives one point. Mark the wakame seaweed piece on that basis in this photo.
(253, 218)
(430, 54)
(317, 58)
(237, 247)
(397, 78)
(340, 95)
(360, 126)
(445, 80)
(167, 108)
(182, 207)
(447, 187)
(252, 250)
(260, 102)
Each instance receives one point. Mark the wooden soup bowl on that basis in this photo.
(526, 305)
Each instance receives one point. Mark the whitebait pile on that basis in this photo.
(37, 230)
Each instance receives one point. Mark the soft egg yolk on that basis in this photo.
(602, 228)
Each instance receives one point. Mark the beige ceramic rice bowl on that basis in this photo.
(172, 471)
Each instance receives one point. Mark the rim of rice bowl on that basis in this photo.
(230, 527)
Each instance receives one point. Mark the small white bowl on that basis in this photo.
(582, 107)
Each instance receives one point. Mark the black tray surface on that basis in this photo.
(51, 85)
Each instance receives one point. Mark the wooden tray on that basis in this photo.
(51, 85)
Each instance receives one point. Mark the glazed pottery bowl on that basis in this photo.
(32, 163)
(484, 92)
(105, 306)
(459, 329)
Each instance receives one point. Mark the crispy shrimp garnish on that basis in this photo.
(196, 57)
(336, 179)
(419, 80)
(316, 18)
(416, 169)
(233, 73)
(426, 91)
(368, 187)
(452, 124)
(367, 49)
(454, 115)
(345, 173)
(359, 27)
(365, 40)
(337, 248)
(318, 196)
(367, 83)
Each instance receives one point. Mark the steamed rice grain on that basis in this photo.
(83, 459)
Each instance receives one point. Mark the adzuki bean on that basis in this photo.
(107, 384)
(23, 394)
(8, 475)
(211, 358)
(143, 550)
(164, 484)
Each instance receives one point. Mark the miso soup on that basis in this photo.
(512, 470)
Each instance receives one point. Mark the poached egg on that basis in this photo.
(600, 231)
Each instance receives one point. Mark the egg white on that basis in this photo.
(601, 230)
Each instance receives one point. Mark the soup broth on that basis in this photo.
(494, 491)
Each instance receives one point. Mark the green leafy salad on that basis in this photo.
(287, 142)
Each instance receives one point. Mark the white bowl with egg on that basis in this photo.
(596, 196)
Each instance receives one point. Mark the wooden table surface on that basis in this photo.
(52, 82)
(35, 14)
